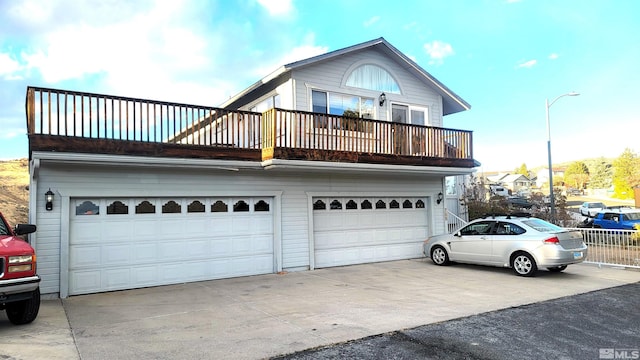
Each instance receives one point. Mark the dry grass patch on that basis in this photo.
(14, 190)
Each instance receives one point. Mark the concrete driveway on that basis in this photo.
(263, 316)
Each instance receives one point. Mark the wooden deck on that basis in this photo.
(69, 121)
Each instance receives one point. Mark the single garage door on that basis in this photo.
(356, 230)
(131, 243)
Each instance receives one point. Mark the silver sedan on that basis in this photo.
(521, 243)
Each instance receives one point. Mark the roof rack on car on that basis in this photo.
(508, 216)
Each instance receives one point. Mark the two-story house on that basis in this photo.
(334, 160)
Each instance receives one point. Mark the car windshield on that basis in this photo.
(542, 225)
(4, 229)
(596, 205)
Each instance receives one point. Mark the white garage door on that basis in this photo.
(355, 230)
(131, 243)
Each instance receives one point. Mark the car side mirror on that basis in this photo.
(22, 229)
(458, 234)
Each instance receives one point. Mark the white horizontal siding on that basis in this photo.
(103, 182)
(329, 76)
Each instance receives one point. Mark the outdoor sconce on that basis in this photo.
(440, 197)
(48, 196)
(382, 98)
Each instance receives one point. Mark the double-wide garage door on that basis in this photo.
(131, 243)
(356, 230)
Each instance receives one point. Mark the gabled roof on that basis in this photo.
(451, 102)
(514, 177)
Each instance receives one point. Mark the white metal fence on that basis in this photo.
(612, 247)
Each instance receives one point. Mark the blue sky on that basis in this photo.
(504, 57)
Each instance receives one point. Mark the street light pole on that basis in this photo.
(552, 202)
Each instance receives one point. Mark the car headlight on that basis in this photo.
(21, 259)
(19, 268)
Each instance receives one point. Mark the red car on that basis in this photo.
(19, 283)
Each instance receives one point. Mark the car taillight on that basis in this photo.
(553, 240)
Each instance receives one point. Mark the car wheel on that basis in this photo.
(557, 268)
(24, 312)
(439, 256)
(523, 264)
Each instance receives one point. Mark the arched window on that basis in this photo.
(352, 205)
(171, 207)
(145, 207)
(365, 205)
(195, 207)
(117, 208)
(319, 205)
(240, 206)
(373, 77)
(219, 206)
(261, 206)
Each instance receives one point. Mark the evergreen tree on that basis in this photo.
(600, 175)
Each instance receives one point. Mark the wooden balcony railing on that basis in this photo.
(312, 131)
(60, 120)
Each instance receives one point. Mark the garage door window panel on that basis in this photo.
(171, 207)
(219, 206)
(407, 204)
(319, 205)
(366, 205)
(195, 207)
(87, 207)
(261, 205)
(117, 208)
(145, 207)
(336, 205)
(381, 204)
(351, 205)
(241, 206)
(394, 204)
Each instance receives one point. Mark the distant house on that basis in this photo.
(334, 160)
(516, 182)
(542, 176)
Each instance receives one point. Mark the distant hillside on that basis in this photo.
(14, 193)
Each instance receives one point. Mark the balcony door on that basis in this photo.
(400, 117)
(408, 140)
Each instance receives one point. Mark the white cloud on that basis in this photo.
(527, 64)
(437, 51)
(277, 7)
(9, 67)
(553, 56)
(371, 21)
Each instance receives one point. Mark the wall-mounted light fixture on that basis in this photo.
(440, 198)
(48, 196)
(382, 98)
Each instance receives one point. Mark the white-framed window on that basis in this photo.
(407, 114)
(324, 102)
